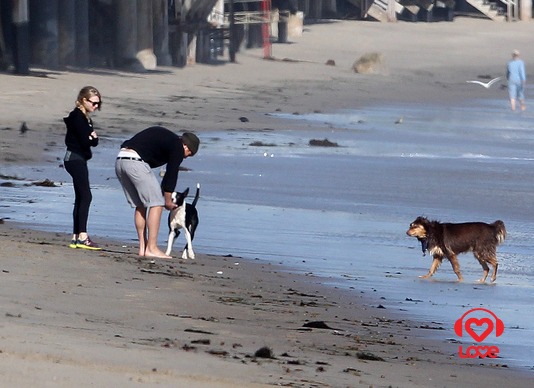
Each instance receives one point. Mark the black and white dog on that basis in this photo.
(185, 217)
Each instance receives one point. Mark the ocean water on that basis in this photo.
(342, 212)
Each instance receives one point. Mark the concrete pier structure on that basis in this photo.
(525, 10)
(140, 35)
(145, 37)
(160, 13)
(126, 43)
(67, 32)
(82, 33)
(21, 36)
(44, 33)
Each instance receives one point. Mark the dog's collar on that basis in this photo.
(424, 245)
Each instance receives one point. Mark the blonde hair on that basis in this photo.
(86, 93)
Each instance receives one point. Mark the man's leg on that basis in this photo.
(140, 227)
(153, 223)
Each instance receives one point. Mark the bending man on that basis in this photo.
(151, 148)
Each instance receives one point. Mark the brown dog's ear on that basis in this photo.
(423, 220)
(418, 220)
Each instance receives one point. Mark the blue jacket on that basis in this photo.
(515, 71)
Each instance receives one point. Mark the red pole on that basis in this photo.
(266, 28)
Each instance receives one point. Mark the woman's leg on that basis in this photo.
(85, 200)
(521, 97)
(83, 197)
(512, 92)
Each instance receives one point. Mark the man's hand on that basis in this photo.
(169, 204)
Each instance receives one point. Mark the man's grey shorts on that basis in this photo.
(140, 185)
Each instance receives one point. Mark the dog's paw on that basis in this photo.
(188, 255)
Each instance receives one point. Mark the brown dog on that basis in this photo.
(446, 240)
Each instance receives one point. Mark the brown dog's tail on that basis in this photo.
(500, 231)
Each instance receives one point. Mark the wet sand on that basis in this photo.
(73, 317)
(77, 317)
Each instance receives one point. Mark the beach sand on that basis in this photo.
(73, 317)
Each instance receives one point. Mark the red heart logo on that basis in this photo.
(479, 323)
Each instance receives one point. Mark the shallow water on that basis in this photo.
(342, 212)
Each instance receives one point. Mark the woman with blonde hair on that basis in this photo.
(79, 139)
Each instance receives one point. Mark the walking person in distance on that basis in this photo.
(517, 78)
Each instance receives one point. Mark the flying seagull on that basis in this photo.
(487, 84)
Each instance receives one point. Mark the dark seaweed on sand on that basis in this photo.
(323, 143)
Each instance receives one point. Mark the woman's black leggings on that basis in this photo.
(83, 197)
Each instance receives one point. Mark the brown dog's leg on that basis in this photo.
(433, 267)
(486, 271)
(456, 267)
(484, 260)
(494, 274)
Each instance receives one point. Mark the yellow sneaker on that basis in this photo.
(87, 244)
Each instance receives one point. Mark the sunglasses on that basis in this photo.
(94, 103)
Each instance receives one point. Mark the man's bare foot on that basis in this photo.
(156, 254)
